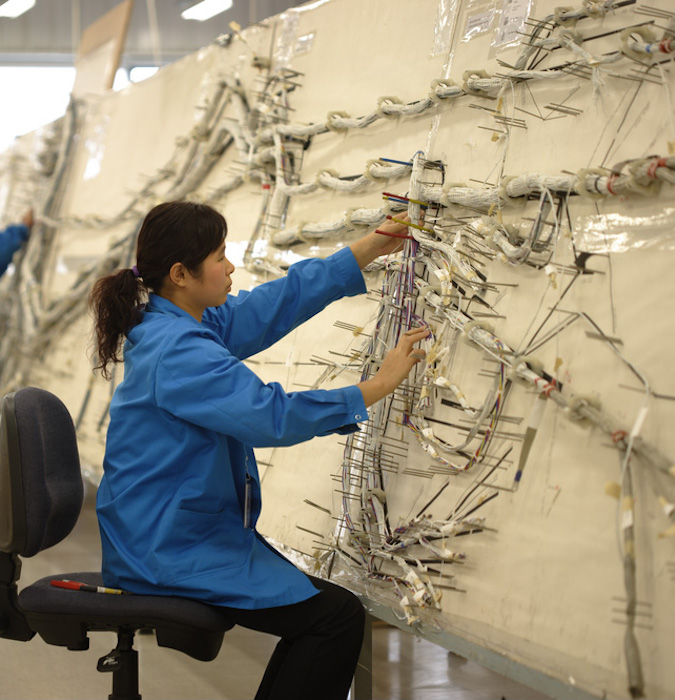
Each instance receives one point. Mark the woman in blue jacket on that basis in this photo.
(180, 495)
(12, 238)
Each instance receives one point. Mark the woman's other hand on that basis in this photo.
(395, 367)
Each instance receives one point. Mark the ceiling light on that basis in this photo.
(206, 9)
(14, 8)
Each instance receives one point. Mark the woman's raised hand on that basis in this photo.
(387, 239)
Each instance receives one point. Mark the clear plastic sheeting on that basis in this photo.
(620, 233)
(311, 6)
(445, 21)
(511, 22)
(288, 43)
(304, 44)
(95, 147)
(479, 17)
(283, 51)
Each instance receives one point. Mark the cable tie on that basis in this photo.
(471, 76)
(611, 179)
(651, 169)
(331, 118)
(383, 101)
(619, 435)
(655, 165)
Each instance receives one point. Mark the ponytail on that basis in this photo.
(115, 301)
(172, 232)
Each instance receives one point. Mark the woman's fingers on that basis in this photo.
(422, 331)
(409, 338)
(414, 335)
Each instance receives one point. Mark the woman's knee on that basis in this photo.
(356, 609)
(353, 614)
(344, 605)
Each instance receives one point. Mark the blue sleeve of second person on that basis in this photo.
(10, 241)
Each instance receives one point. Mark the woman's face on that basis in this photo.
(214, 284)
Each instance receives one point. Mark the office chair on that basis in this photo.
(41, 495)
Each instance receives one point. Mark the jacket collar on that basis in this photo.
(161, 305)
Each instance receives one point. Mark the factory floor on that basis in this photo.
(404, 667)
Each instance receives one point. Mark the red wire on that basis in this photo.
(394, 235)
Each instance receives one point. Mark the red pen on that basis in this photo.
(77, 586)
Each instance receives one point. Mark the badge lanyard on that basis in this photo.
(247, 498)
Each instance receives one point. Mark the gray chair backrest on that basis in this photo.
(41, 488)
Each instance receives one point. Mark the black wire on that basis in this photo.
(440, 491)
(550, 313)
(480, 505)
(479, 483)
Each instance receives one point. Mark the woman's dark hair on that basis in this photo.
(172, 232)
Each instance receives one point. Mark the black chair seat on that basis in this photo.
(41, 494)
(62, 617)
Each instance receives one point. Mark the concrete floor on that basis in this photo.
(404, 667)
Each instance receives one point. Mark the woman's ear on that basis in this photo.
(178, 274)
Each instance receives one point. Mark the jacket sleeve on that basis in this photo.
(199, 381)
(10, 241)
(253, 321)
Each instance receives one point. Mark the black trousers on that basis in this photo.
(320, 644)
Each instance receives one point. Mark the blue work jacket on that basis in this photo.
(10, 241)
(183, 422)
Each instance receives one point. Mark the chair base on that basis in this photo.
(122, 662)
(66, 617)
